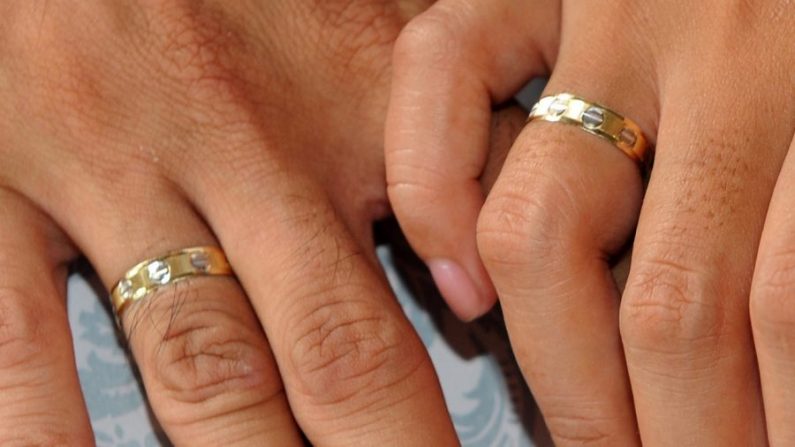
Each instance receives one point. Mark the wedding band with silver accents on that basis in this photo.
(151, 275)
(595, 119)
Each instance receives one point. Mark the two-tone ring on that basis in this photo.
(597, 120)
(149, 276)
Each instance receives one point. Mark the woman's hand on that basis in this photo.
(129, 129)
(672, 361)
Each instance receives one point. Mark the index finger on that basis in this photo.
(450, 65)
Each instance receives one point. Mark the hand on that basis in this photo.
(129, 129)
(672, 361)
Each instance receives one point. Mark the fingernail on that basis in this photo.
(457, 288)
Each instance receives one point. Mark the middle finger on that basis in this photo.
(564, 203)
(684, 315)
(354, 369)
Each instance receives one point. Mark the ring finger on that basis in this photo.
(564, 203)
(203, 357)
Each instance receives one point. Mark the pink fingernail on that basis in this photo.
(457, 288)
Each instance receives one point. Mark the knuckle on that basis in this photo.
(196, 350)
(772, 313)
(344, 350)
(518, 226)
(669, 305)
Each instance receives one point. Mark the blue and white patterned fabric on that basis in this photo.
(486, 395)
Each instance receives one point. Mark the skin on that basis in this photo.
(698, 348)
(130, 129)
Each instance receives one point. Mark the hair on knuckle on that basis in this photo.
(345, 350)
(196, 351)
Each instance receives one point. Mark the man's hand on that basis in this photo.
(129, 129)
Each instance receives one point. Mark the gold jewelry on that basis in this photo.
(595, 119)
(153, 274)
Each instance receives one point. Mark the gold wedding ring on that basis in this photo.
(595, 119)
(153, 274)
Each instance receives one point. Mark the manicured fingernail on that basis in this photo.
(457, 288)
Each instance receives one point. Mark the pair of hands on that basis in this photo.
(129, 130)
(699, 348)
